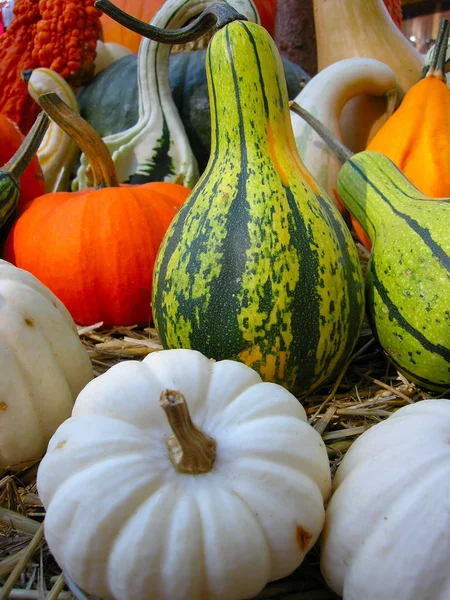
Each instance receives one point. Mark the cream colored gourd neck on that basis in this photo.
(350, 80)
(342, 153)
(351, 28)
(58, 151)
(191, 451)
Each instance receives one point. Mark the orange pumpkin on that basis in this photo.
(417, 136)
(95, 248)
(32, 180)
(146, 9)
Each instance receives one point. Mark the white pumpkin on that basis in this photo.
(43, 366)
(134, 512)
(387, 530)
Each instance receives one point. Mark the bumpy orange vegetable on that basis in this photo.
(58, 34)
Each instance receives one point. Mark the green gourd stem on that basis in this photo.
(26, 75)
(88, 140)
(191, 451)
(342, 152)
(217, 16)
(21, 159)
(437, 64)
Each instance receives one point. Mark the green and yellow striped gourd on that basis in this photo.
(408, 278)
(258, 265)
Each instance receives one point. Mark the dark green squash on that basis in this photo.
(110, 113)
(258, 265)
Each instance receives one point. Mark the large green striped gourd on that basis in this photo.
(258, 264)
(408, 279)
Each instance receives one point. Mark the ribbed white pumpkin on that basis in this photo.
(125, 524)
(387, 530)
(43, 366)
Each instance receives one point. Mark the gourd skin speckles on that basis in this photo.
(258, 265)
(408, 286)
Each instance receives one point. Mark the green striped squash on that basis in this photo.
(258, 265)
(408, 280)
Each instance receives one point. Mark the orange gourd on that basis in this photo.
(32, 180)
(95, 248)
(417, 136)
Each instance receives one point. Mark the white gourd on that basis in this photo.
(387, 530)
(159, 127)
(325, 96)
(43, 366)
(124, 523)
(58, 151)
(108, 53)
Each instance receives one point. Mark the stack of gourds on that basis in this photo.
(194, 473)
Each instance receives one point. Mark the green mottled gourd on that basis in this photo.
(258, 265)
(408, 274)
(408, 279)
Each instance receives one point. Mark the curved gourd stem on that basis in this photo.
(88, 140)
(21, 159)
(191, 451)
(437, 64)
(341, 151)
(217, 16)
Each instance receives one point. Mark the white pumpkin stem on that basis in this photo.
(191, 450)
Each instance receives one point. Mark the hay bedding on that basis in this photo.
(366, 392)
